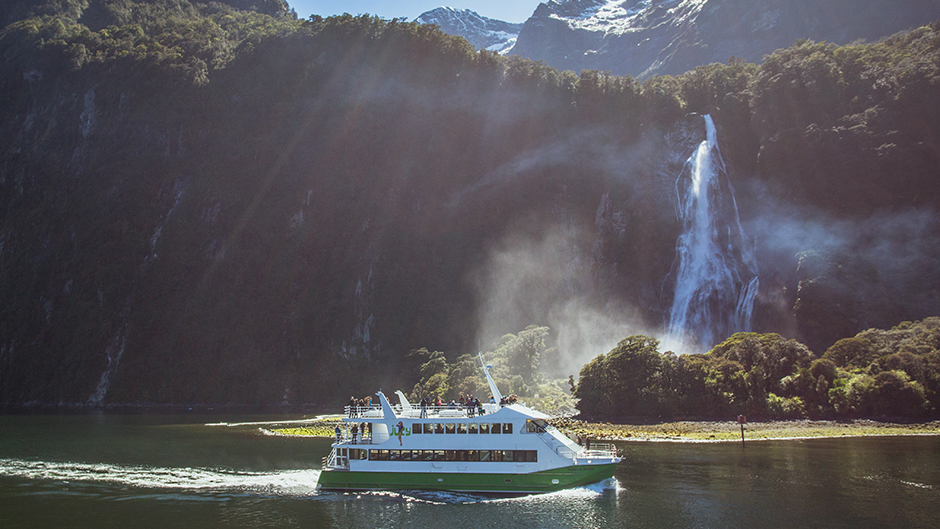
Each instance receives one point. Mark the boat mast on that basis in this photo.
(497, 396)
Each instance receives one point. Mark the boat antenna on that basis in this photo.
(497, 396)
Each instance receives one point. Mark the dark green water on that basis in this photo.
(178, 471)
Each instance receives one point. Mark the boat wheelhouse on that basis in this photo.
(502, 448)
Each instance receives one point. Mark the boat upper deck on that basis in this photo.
(364, 413)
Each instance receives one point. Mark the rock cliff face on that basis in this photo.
(482, 32)
(287, 227)
(649, 37)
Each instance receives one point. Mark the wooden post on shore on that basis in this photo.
(742, 420)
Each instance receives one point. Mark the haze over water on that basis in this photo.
(191, 471)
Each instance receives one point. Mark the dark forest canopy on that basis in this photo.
(878, 373)
(217, 202)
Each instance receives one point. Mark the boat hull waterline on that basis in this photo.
(536, 482)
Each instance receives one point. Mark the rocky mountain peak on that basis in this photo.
(483, 32)
(648, 37)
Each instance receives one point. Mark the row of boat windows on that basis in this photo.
(518, 456)
(449, 427)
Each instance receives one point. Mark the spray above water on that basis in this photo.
(716, 281)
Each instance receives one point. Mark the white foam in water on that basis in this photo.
(296, 482)
(586, 492)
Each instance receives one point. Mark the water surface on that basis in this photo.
(190, 471)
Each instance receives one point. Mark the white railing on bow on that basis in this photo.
(599, 450)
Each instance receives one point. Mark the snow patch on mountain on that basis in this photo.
(480, 31)
(625, 16)
(658, 37)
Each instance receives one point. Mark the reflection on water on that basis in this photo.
(159, 471)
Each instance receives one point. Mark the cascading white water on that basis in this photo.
(716, 281)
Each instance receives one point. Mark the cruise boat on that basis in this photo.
(494, 448)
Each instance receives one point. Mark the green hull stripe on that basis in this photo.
(567, 477)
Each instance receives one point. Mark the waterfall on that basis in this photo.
(716, 281)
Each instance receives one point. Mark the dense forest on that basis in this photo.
(891, 373)
(220, 203)
(877, 373)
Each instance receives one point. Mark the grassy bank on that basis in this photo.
(731, 431)
(686, 430)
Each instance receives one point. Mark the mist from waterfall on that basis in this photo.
(716, 280)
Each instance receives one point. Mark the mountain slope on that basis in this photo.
(648, 37)
(483, 32)
(215, 206)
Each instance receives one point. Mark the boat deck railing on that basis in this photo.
(335, 461)
(565, 447)
(358, 439)
(420, 412)
(599, 450)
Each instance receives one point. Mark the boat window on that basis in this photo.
(495, 428)
(449, 428)
(416, 428)
(536, 426)
(472, 427)
(504, 456)
(438, 427)
(507, 427)
(461, 427)
(484, 427)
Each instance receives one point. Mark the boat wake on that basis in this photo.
(593, 490)
(281, 482)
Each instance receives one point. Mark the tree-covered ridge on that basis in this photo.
(830, 87)
(191, 38)
(894, 373)
(216, 203)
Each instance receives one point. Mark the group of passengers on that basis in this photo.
(472, 404)
(505, 401)
(356, 406)
(365, 429)
(429, 401)
(468, 402)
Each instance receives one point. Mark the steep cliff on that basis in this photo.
(221, 206)
(649, 37)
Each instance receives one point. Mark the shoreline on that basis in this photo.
(685, 431)
(730, 431)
